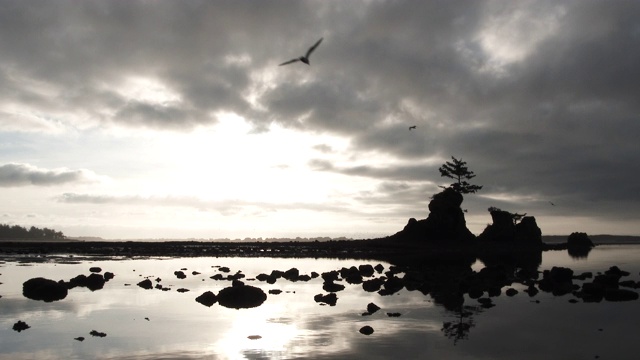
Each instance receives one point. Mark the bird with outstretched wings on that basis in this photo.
(305, 57)
(412, 127)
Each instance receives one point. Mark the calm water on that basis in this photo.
(152, 324)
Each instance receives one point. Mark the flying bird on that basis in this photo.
(552, 204)
(412, 127)
(305, 57)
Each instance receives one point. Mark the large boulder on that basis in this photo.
(44, 289)
(445, 221)
(503, 229)
(241, 297)
(527, 230)
(578, 240)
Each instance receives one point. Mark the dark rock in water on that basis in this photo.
(504, 229)
(219, 277)
(372, 285)
(241, 297)
(392, 285)
(366, 270)
(614, 270)
(330, 299)
(314, 274)
(146, 284)
(235, 283)
(475, 292)
(182, 290)
(511, 292)
(207, 298)
(291, 274)
(97, 333)
(330, 276)
(275, 291)
(559, 274)
(224, 269)
(354, 279)
(486, 303)
(194, 273)
(44, 289)
(79, 338)
(95, 282)
(579, 245)
(379, 268)
(20, 326)
(394, 314)
(372, 308)
(80, 280)
(620, 295)
(108, 276)
(95, 269)
(445, 221)
(592, 292)
(366, 330)
(330, 286)
(180, 274)
(608, 280)
(579, 239)
(527, 231)
(629, 284)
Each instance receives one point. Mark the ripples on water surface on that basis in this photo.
(152, 324)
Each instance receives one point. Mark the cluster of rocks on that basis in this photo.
(446, 224)
(505, 229)
(604, 286)
(48, 290)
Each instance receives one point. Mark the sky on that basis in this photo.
(172, 119)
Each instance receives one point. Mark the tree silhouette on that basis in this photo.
(460, 328)
(16, 232)
(459, 171)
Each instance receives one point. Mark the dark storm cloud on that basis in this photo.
(78, 55)
(24, 175)
(539, 97)
(417, 172)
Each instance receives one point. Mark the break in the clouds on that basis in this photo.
(539, 97)
(13, 175)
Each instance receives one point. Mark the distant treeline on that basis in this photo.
(16, 232)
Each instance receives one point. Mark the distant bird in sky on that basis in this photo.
(552, 204)
(412, 127)
(304, 58)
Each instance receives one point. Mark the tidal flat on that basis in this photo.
(444, 306)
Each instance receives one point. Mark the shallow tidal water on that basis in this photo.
(155, 324)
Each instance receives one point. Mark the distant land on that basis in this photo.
(549, 239)
(596, 239)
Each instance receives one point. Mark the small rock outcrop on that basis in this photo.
(207, 298)
(505, 229)
(445, 221)
(241, 297)
(44, 289)
(146, 284)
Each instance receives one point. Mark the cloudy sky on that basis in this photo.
(159, 119)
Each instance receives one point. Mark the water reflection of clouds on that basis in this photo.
(291, 324)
